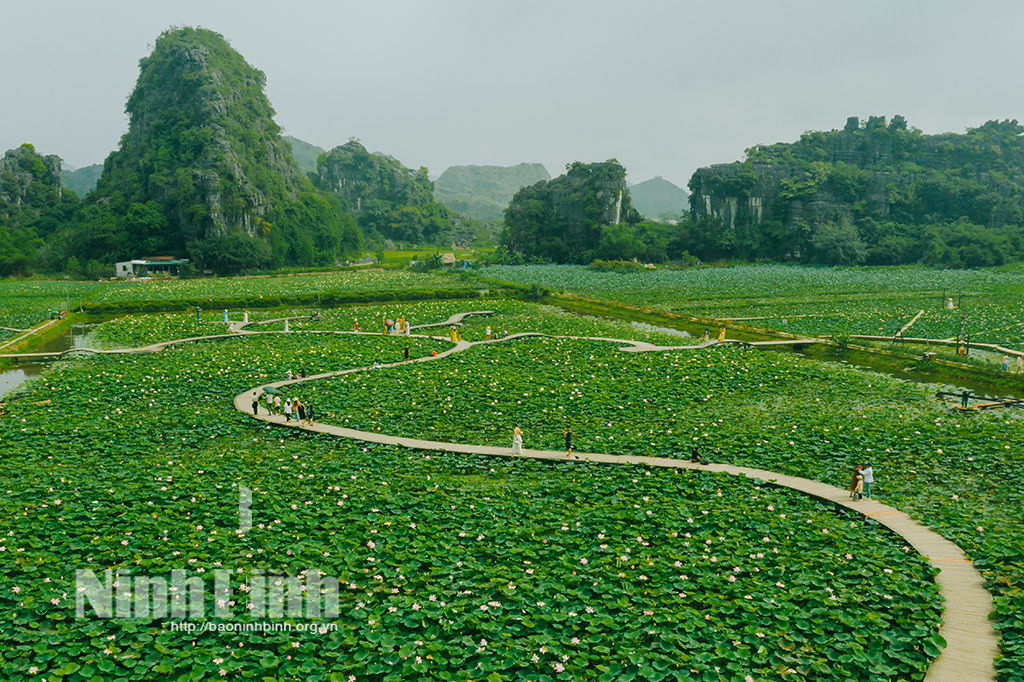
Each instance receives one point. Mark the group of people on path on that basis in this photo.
(303, 411)
(517, 441)
(1006, 363)
(393, 327)
(861, 480)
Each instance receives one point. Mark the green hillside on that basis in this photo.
(570, 218)
(388, 200)
(305, 154)
(484, 192)
(32, 206)
(83, 180)
(872, 192)
(203, 171)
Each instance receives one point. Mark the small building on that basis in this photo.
(149, 266)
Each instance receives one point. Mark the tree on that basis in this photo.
(838, 243)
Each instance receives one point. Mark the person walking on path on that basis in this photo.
(277, 404)
(1006, 363)
(517, 441)
(408, 328)
(356, 322)
(406, 352)
(255, 404)
(869, 477)
(965, 395)
(198, 310)
(568, 441)
(309, 413)
(721, 334)
(226, 320)
(301, 409)
(270, 404)
(856, 483)
(1020, 364)
(288, 410)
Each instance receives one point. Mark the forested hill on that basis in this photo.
(483, 192)
(32, 205)
(874, 192)
(203, 171)
(388, 200)
(576, 217)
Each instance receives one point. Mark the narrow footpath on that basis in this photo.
(971, 642)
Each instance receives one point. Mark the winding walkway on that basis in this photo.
(971, 641)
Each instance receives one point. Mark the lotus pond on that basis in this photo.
(452, 567)
(812, 301)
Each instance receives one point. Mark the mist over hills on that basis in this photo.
(657, 195)
(484, 192)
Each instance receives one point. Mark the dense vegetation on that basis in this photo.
(453, 566)
(872, 193)
(32, 208)
(388, 200)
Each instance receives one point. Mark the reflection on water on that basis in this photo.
(79, 336)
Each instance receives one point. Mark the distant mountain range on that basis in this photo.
(654, 196)
(484, 192)
(82, 180)
(305, 153)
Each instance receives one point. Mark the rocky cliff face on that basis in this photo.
(359, 177)
(25, 177)
(562, 220)
(871, 170)
(202, 142)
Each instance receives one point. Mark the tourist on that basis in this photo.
(289, 375)
(270, 404)
(489, 333)
(1006, 363)
(965, 395)
(568, 441)
(408, 328)
(1020, 364)
(406, 352)
(288, 410)
(721, 334)
(277, 405)
(356, 322)
(869, 478)
(309, 413)
(226, 320)
(856, 483)
(197, 314)
(695, 456)
(301, 409)
(517, 441)
(255, 404)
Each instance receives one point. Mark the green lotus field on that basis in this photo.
(458, 567)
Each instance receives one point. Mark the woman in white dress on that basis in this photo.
(517, 441)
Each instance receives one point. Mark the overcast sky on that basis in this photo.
(663, 86)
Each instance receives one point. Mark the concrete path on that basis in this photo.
(971, 641)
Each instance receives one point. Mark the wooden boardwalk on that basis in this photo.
(971, 641)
